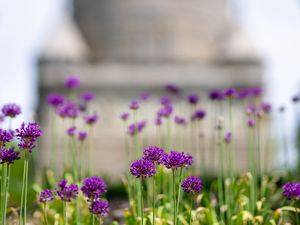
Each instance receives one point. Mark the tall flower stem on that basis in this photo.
(174, 196)
(142, 201)
(153, 198)
(23, 207)
(179, 191)
(93, 219)
(191, 209)
(220, 175)
(296, 212)
(3, 191)
(6, 189)
(65, 212)
(45, 213)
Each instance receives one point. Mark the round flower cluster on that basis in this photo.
(192, 184)
(8, 156)
(134, 105)
(124, 116)
(172, 89)
(28, 134)
(68, 110)
(179, 120)
(99, 208)
(134, 129)
(154, 154)
(5, 137)
(142, 168)
(46, 196)
(175, 160)
(91, 119)
(87, 96)
(193, 99)
(55, 99)
(67, 192)
(165, 111)
(291, 190)
(72, 82)
(199, 114)
(11, 110)
(93, 187)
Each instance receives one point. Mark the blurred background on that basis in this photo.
(119, 48)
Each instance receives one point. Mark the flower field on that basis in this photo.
(189, 173)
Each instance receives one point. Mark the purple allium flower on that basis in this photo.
(291, 190)
(46, 196)
(250, 109)
(216, 95)
(124, 116)
(67, 192)
(175, 160)
(165, 100)
(192, 184)
(158, 121)
(165, 111)
(144, 96)
(142, 168)
(244, 93)
(28, 134)
(266, 107)
(72, 82)
(230, 93)
(256, 91)
(141, 125)
(71, 131)
(82, 135)
(91, 119)
(193, 99)
(179, 120)
(5, 137)
(99, 208)
(172, 89)
(132, 129)
(251, 122)
(55, 99)
(227, 137)
(11, 110)
(199, 114)
(8, 156)
(154, 154)
(93, 188)
(68, 109)
(87, 96)
(134, 105)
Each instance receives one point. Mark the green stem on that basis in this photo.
(296, 212)
(174, 196)
(6, 189)
(4, 192)
(142, 201)
(65, 212)
(25, 192)
(191, 208)
(153, 198)
(45, 213)
(22, 195)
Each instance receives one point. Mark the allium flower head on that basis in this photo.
(71, 131)
(251, 123)
(266, 107)
(165, 100)
(93, 187)
(179, 120)
(142, 168)
(11, 110)
(165, 111)
(193, 99)
(256, 91)
(227, 137)
(72, 82)
(199, 114)
(82, 136)
(91, 119)
(87, 96)
(134, 129)
(67, 192)
(172, 89)
(175, 160)
(154, 154)
(141, 125)
(158, 121)
(216, 95)
(55, 99)
(291, 190)
(296, 99)
(68, 109)
(46, 196)
(5, 137)
(230, 93)
(124, 116)
(28, 135)
(8, 156)
(250, 109)
(99, 208)
(144, 96)
(192, 184)
(134, 105)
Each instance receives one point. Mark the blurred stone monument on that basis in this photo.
(121, 47)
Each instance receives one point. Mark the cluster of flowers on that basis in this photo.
(291, 191)
(92, 188)
(71, 108)
(153, 156)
